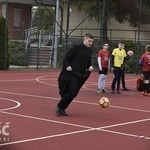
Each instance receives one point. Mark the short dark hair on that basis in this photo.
(121, 42)
(89, 35)
(105, 42)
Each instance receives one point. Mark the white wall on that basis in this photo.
(76, 17)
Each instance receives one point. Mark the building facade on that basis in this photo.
(19, 14)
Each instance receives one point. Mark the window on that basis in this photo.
(17, 18)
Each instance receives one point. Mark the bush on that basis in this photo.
(17, 53)
(132, 65)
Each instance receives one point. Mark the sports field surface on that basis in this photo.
(28, 121)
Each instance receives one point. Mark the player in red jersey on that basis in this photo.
(145, 63)
(140, 83)
(104, 65)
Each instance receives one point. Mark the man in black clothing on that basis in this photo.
(76, 70)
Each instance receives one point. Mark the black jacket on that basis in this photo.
(79, 58)
(64, 78)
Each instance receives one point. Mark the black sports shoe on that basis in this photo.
(58, 111)
(125, 89)
(118, 92)
(113, 92)
(64, 113)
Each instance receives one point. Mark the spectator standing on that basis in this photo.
(103, 65)
(118, 63)
(145, 63)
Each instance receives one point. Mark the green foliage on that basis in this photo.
(45, 16)
(60, 55)
(4, 53)
(132, 65)
(17, 53)
(121, 10)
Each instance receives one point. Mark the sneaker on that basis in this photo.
(60, 112)
(113, 92)
(125, 89)
(63, 112)
(99, 91)
(118, 92)
(104, 91)
(147, 94)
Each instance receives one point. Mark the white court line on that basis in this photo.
(17, 80)
(70, 133)
(70, 124)
(30, 73)
(107, 83)
(18, 104)
(126, 123)
(125, 134)
(23, 80)
(132, 109)
(46, 120)
(101, 128)
(46, 137)
(83, 102)
(75, 132)
(29, 95)
(118, 107)
(109, 91)
(75, 125)
(40, 78)
(55, 85)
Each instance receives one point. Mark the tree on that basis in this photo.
(45, 17)
(121, 10)
(4, 55)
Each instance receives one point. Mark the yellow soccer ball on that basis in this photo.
(104, 102)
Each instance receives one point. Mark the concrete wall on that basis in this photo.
(114, 27)
(77, 21)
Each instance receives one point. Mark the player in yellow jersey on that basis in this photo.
(118, 62)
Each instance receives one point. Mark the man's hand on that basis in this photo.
(69, 68)
(122, 66)
(112, 69)
(90, 68)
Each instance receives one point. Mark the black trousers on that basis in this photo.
(117, 76)
(123, 78)
(74, 85)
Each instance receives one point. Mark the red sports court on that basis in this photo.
(28, 121)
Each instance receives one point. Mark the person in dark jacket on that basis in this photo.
(76, 70)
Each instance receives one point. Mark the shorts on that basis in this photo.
(104, 71)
